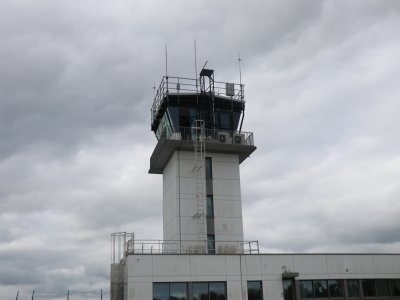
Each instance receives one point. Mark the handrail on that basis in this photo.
(124, 243)
(191, 247)
(211, 136)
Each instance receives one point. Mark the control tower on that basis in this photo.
(198, 125)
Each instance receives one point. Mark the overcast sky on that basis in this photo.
(76, 87)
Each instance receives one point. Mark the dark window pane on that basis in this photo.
(382, 287)
(217, 291)
(210, 206)
(335, 288)
(208, 168)
(211, 244)
(178, 291)
(192, 115)
(353, 288)
(200, 290)
(306, 289)
(160, 291)
(395, 287)
(225, 120)
(368, 287)
(254, 290)
(174, 115)
(320, 288)
(288, 291)
(236, 118)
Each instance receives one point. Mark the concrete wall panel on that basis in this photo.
(175, 265)
(310, 264)
(208, 265)
(276, 264)
(273, 289)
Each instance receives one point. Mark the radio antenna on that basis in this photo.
(240, 69)
(195, 63)
(166, 61)
(205, 64)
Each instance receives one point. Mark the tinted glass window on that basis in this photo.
(200, 290)
(353, 288)
(192, 115)
(178, 291)
(225, 120)
(236, 118)
(160, 291)
(368, 287)
(335, 288)
(210, 206)
(320, 288)
(306, 289)
(382, 287)
(217, 291)
(211, 244)
(254, 290)
(288, 292)
(395, 287)
(174, 115)
(208, 168)
(209, 290)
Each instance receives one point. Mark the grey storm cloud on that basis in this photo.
(76, 87)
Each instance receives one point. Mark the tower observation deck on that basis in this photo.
(179, 102)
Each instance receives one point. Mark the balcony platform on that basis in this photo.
(230, 144)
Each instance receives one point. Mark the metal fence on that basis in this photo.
(211, 136)
(124, 244)
(193, 247)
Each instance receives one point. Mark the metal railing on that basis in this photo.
(123, 244)
(192, 247)
(211, 136)
(181, 85)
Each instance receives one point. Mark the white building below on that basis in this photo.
(279, 276)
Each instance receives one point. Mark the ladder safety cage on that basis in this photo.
(198, 136)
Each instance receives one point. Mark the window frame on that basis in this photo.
(392, 285)
(169, 288)
(341, 282)
(358, 288)
(313, 294)
(312, 288)
(210, 200)
(208, 287)
(326, 288)
(261, 288)
(211, 239)
(208, 168)
(292, 284)
(372, 285)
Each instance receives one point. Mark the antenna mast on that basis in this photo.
(240, 70)
(166, 61)
(195, 64)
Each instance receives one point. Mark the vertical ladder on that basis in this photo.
(198, 136)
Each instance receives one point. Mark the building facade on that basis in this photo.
(198, 125)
